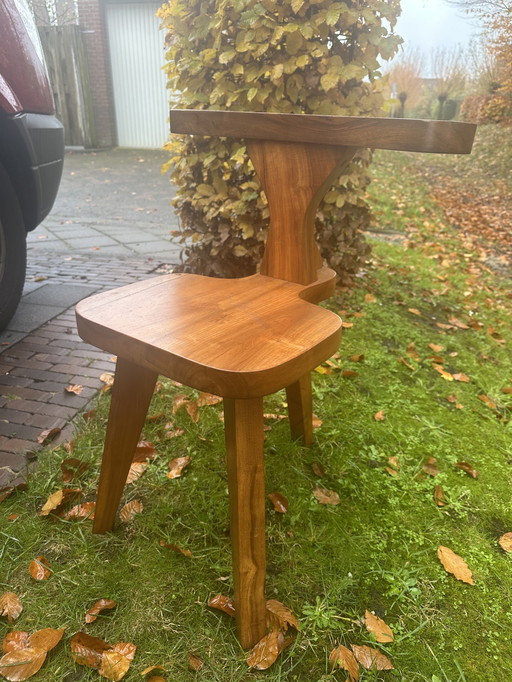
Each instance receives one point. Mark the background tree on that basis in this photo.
(292, 56)
(449, 78)
(404, 79)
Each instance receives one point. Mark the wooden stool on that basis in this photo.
(244, 338)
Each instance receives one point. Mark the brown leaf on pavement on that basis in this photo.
(10, 606)
(177, 465)
(468, 468)
(279, 501)
(39, 568)
(129, 511)
(47, 435)
(325, 496)
(279, 616)
(344, 658)
(107, 378)
(222, 603)
(371, 659)
(506, 542)
(76, 389)
(97, 608)
(265, 652)
(455, 565)
(378, 627)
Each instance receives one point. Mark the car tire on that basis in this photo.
(13, 250)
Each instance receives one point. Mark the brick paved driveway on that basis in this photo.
(41, 353)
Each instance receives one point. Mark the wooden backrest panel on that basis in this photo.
(295, 178)
(445, 137)
(298, 156)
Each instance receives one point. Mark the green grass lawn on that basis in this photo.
(377, 549)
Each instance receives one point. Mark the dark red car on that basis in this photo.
(31, 146)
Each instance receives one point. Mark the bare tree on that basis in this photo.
(449, 75)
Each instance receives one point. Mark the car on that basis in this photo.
(31, 146)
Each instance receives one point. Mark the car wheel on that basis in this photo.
(13, 250)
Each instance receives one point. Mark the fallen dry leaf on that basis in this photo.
(39, 568)
(379, 416)
(111, 661)
(487, 401)
(208, 399)
(97, 608)
(74, 388)
(446, 375)
(135, 472)
(279, 616)
(195, 664)
(85, 510)
(47, 435)
(265, 652)
(455, 564)
(177, 465)
(13, 517)
(25, 654)
(436, 347)
(370, 298)
(506, 542)
(414, 311)
(457, 323)
(439, 496)
(460, 376)
(151, 668)
(378, 627)
(129, 511)
(175, 548)
(316, 421)
(325, 496)
(10, 606)
(507, 390)
(58, 500)
(370, 658)
(430, 466)
(107, 378)
(279, 501)
(318, 470)
(90, 414)
(468, 468)
(357, 358)
(349, 374)
(116, 662)
(172, 432)
(72, 468)
(344, 658)
(222, 603)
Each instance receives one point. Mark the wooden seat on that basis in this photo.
(245, 338)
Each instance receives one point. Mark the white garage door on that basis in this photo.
(137, 56)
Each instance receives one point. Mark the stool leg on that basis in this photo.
(300, 409)
(131, 394)
(243, 421)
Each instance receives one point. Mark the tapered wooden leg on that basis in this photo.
(300, 409)
(131, 394)
(243, 421)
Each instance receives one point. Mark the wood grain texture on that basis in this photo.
(244, 447)
(131, 394)
(237, 338)
(291, 251)
(300, 409)
(445, 137)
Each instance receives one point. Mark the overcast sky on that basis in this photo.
(433, 23)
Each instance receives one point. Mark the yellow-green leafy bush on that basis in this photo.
(290, 56)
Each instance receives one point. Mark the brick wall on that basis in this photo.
(92, 24)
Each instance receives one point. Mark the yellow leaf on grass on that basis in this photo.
(379, 416)
(345, 659)
(378, 627)
(455, 565)
(506, 542)
(10, 606)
